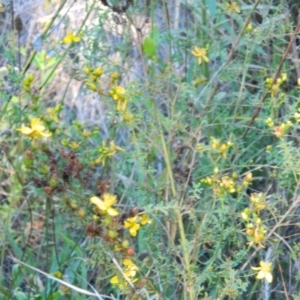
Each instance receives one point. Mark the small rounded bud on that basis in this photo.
(87, 71)
(112, 234)
(53, 181)
(48, 190)
(98, 72)
(81, 213)
(73, 204)
(107, 220)
(57, 274)
(91, 86)
(130, 251)
(28, 162)
(125, 244)
(250, 232)
(45, 169)
(29, 154)
(115, 76)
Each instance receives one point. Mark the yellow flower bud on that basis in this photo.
(115, 76)
(98, 72)
(87, 71)
(91, 86)
(81, 213)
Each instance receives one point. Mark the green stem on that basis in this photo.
(68, 48)
(183, 240)
(33, 54)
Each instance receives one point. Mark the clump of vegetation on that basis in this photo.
(149, 150)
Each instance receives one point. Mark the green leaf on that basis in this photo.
(149, 47)
(212, 7)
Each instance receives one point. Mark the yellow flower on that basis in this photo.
(118, 281)
(258, 234)
(74, 145)
(36, 129)
(106, 152)
(105, 204)
(279, 131)
(232, 7)
(118, 94)
(131, 268)
(130, 272)
(201, 54)
(264, 271)
(71, 38)
(132, 224)
(258, 201)
(228, 184)
(144, 219)
(114, 148)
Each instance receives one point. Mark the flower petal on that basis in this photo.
(46, 134)
(205, 58)
(261, 275)
(112, 212)
(76, 39)
(98, 202)
(114, 280)
(269, 277)
(109, 199)
(25, 130)
(132, 231)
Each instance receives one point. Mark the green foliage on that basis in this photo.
(151, 154)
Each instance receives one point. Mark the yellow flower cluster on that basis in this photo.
(270, 123)
(35, 130)
(27, 82)
(108, 225)
(94, 74)
(133, 224)
(52, 113)
(221, 148)
(128, 275)
(280, 130)
(274, 86)
(254, 229)
(106, 152)
(104, 207)
(118, 93)
(227, 184)
(247, 180)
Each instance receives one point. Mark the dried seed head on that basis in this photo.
(18, 23)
